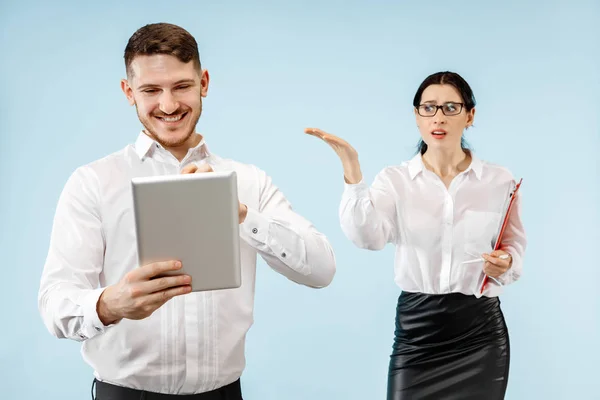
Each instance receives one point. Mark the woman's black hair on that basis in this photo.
(446, 78)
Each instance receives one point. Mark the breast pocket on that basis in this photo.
(481, 229)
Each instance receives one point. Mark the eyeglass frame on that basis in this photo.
(437, 108)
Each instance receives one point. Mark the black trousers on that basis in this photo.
(449, 347)
(106, 391)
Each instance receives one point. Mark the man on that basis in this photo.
(152, 338)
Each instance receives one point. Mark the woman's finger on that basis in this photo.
(332, 140)
(501, 262)
(328, 137)
(493, 270)
(315, 132)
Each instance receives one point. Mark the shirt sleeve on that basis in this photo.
(288, 242)
(368, 214)
(69, 288)
(514, 241)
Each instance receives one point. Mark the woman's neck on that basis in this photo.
(446, 163)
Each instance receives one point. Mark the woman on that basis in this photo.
(442, 211)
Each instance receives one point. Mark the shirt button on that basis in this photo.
(283, 255)
(97, 329)
(254, 230)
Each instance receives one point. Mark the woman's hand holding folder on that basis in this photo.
(496, 263)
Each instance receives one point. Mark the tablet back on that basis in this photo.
(192, 218)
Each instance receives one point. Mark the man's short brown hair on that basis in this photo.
(162, 38)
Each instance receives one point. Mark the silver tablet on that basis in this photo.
(192, 218)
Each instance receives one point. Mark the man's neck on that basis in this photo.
(180, 151)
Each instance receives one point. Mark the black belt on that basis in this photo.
(107, 391)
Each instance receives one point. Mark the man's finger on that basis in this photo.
(159, 298)
(204, 168)
(146, 272)
(166, 282)
(189, 169)
(194, 168)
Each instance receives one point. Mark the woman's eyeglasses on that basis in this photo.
(449, 109)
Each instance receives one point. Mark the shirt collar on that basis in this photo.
(415, 166)
(476, 166)
(145, 144)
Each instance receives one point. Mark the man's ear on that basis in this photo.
(128, 91)
(204, 80)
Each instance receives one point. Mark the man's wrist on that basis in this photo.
(243, 212)
(104, 313)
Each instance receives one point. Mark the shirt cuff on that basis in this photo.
(92, 326)
(512, 274)
(255, 226)
(356, 190)
(278, 240)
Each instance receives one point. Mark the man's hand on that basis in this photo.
(195, 169)
(140, 293)
(496, 263)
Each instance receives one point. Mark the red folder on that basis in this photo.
(511, 201)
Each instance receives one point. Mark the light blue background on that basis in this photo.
(351, 68)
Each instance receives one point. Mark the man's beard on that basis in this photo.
(165, 142)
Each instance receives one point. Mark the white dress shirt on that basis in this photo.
(437, 231)
(194, 343)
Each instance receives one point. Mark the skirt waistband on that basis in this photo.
(433, 318)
